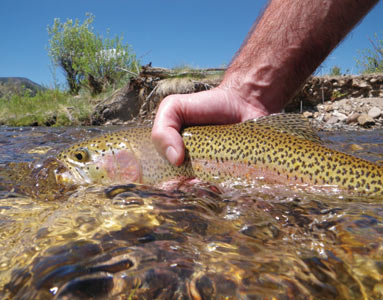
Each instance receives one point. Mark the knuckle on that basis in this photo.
(170, 100)
(156, 134)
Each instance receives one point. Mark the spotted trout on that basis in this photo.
(280, 148)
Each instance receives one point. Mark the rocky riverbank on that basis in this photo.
(348, 114)
(341, 102)
(330, 102)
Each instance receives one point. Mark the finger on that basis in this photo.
(165, 132)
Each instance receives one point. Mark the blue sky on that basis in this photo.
(167, 33)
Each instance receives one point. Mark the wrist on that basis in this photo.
(264, 86)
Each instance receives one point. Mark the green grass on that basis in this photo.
(49, 107)
(53, 107)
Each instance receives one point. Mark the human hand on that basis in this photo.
(277, 57)
(216, 106)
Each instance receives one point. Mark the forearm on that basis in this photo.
(288, 43)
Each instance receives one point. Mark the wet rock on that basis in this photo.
(375, 112)
(355, 147)
(87, 287)
(365, 120)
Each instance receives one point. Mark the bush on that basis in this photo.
(335, 71)
(87, 59)
(372, 59)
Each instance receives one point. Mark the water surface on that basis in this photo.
(139, 242)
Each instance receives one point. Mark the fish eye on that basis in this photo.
(81, 155)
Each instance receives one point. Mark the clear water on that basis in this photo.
(138, 242)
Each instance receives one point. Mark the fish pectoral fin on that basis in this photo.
(293, 124)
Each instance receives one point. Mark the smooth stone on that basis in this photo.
(375, 112)
(341, 117)
(353, 118)
(365, 120)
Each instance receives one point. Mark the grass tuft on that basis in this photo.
(48, 107)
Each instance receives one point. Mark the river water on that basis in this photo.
(139, 242)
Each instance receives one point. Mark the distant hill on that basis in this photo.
(18, 85)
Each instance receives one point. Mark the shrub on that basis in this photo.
(335, 71)
(87, 59)
(372, 59)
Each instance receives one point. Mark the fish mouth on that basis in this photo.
(66, 175)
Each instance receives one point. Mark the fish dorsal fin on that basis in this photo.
(293, 124)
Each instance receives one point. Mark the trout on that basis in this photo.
(280, 148)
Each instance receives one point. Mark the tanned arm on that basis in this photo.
(289, 42)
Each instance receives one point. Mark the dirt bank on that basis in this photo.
(336, 102)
